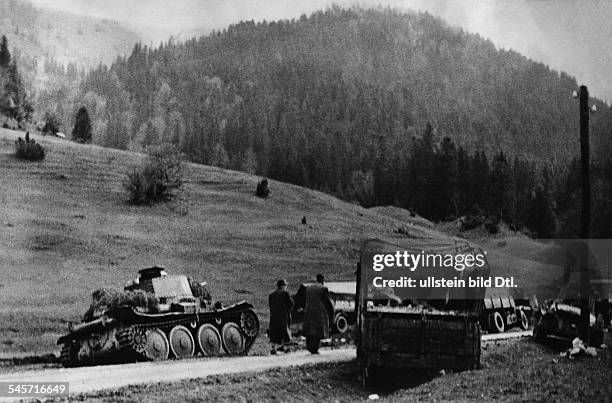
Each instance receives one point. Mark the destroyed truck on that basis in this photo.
(561, 318)
(158, 316)
(435, 331)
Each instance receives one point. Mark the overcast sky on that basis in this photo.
(569, 35)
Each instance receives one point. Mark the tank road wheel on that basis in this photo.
(181, 342)
(209, 340)
(341, 323)
(523, 321)
(496, 323)
(233, 340)
(152, 344)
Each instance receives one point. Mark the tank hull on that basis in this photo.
(126, 335)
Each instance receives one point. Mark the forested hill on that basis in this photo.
(335, 101)
(339, 85)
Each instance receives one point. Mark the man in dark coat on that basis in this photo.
(280, 303)
(319, 309)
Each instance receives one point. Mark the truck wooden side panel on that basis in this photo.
(413, 340)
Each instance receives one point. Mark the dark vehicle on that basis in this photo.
(498, 315)
(342, 294)
(501, 313)
(397, 333)
(561, 320)
(164, 316)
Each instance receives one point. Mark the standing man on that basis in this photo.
(319, 310)
(280, 303)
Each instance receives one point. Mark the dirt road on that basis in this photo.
(88, 379)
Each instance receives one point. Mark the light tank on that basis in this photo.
(158, 317)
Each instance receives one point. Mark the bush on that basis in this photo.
(262, 189)
(29, 150)
(492, 225)
(159, 177)
(51, 123)
(471, 221)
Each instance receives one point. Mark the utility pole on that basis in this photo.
(585, 232)
(585, 216)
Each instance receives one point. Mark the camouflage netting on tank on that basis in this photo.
(105, 299)
(200, 291)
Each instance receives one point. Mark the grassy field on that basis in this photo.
(512, 371)
(67, 230)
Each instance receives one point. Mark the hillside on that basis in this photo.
(40, 34)
(67, 230)
(51, 49)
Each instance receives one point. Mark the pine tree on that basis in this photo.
(249, 162)
(444, 181)
(541, 214)
(463, 181)
(82, 126)
(14, 92)
(5, 55)
(421, 171)
(500, 186)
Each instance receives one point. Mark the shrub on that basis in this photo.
(492, 225)
(51, 123)
(471, 221)
(262, 189)
(29, 150)
(159, 177)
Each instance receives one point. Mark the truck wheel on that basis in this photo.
(496, 323)
(524, 321)
(341, 323)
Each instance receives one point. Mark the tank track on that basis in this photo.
(68, 355)
(246, 320)
(125, 347)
